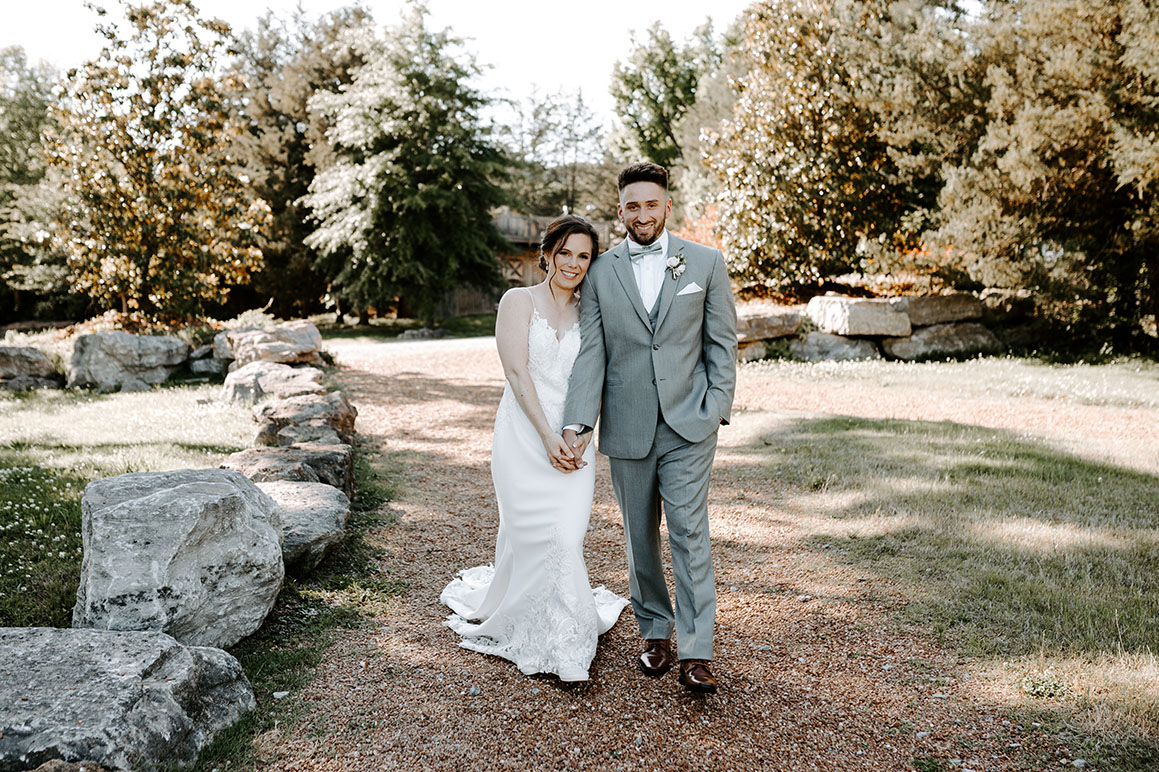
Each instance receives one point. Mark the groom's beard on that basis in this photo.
(655, 234)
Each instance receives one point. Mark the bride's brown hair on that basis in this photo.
(556, 235)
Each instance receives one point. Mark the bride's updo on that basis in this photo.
(556, 235)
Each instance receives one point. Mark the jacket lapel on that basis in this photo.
(668, 287)
(622, 264)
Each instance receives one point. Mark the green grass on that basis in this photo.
(1009, 546)
(478, 325)
(52, 443)
(1131, 383)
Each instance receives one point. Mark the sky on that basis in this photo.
(552, 45)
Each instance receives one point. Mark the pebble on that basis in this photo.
(281, 695)
(804, 598)
(1079, 764)
(765, 648)
(475, 691)
(923, 735)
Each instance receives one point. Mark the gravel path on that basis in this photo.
(814, 676)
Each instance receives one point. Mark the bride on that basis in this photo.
(535, 606)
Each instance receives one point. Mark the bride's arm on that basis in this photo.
(511, 338)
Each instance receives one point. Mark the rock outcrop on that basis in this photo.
(286, 343)
(819, 346)
(942, 340)
(333, 410)
(762, 322)
(313, 519)
(254, 382)
(24, 361)
(847, 316)
(303, 462)
(926, 310)
(125, 700)
(119, 360)
(192, 553)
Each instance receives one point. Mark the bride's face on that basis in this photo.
(571, 262)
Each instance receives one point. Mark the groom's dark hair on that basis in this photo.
(644, 172)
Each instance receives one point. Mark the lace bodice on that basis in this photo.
(549, 362)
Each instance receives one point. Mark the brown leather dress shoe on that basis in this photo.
(657, 658)
(697, 677)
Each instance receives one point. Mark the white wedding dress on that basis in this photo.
(535, 606)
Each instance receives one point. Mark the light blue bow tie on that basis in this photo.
(635, 251)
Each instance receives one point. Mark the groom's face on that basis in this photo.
(643, 209)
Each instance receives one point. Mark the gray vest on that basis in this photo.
(655, 312)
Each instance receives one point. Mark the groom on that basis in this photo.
(657, 362)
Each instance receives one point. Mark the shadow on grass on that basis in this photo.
(1003, 547)
(1007, 546)
(346, 590)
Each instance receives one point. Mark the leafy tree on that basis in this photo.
(405, 211)
(806, 179)
(29, 267)
(560, 157)
(158, 218)
(279, 66)
(656, 87)
(1058, 191)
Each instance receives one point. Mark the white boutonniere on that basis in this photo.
(677, 264)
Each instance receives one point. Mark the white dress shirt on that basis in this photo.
(649, 271)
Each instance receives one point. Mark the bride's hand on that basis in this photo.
(559, 454)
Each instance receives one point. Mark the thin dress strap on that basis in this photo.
(530, 294)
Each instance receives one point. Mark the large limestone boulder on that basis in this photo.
(765, 322)
(312, 431)
(333, 410)
(193, 553)
(926, 310)
(822, 346)
(125, 700)
(28, 383)
(942, 340)
(313, 520)
(289, 342)
(258, 380)
(119, 360)
(304, 462)
(840, 315)
(18, 361)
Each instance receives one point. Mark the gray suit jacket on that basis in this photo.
(627, 373)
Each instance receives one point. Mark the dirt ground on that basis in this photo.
(813, 677)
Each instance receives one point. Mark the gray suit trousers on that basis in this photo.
(674, 472)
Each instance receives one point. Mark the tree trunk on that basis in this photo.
(364, 317)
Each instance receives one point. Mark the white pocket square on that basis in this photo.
(690, 289)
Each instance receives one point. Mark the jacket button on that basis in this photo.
(653, 381)
(655, 346)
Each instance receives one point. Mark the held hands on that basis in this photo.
(578, 444)
(560, 454)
